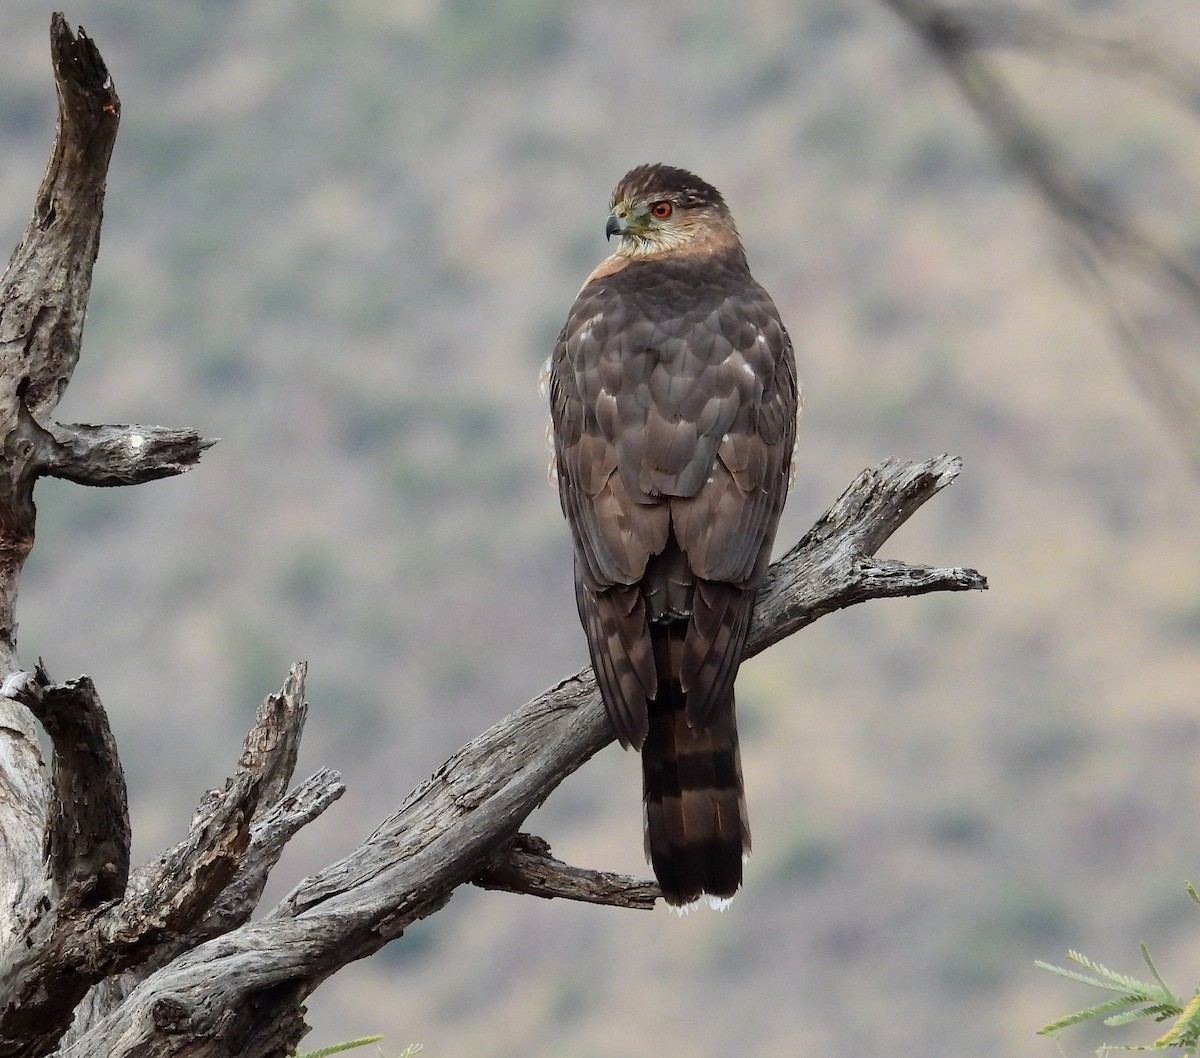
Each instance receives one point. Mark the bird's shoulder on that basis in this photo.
(624, 295)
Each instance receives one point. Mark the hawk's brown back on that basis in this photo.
(674, 401)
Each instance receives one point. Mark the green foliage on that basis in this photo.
(1134, 999)
(338, 1048)
(348, 1045)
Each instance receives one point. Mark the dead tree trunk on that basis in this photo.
(97, 959)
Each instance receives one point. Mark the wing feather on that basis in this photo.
(713, 648)
(614, 622)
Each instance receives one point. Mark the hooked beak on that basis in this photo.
(614, 226)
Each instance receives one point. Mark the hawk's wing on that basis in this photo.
(673, 400)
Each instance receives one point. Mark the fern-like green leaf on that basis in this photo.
(1111, 982)
(1191, 891)
(337, 1048)
(1073, 975)
(1135, 1015)
(1186, 1030)
(1100, 1010)
(1175, 1000)
(1116, 982)
(1136, 1000)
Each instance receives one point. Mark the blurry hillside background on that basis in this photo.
(341, 235)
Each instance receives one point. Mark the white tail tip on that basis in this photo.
(717, 903)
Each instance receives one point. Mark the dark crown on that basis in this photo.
(648, 182)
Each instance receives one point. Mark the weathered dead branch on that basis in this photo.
(241, 992)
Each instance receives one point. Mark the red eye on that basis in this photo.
(661, 210)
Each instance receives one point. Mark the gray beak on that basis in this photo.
(613, 227)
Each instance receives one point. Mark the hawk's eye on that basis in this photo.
(661, 210)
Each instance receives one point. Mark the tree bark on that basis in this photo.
(98, 959)
(43, 301)
(201, 979)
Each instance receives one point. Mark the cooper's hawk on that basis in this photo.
(673, 401)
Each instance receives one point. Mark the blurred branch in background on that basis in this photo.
(1149, 291)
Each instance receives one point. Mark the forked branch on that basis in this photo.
(461, 824)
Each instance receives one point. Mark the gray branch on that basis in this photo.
(64, 857)
(120, 455)
(44, 296)
(1008, 26)
(528, 867)
(208, 883)
(242, 992)
(87, 833)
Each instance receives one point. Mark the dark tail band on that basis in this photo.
(697, 834)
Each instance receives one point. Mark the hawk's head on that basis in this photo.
(658, 208)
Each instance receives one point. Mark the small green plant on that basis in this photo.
(337, 1048)
(349, 1045)
(1134, 999)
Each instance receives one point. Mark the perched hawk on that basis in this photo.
(673, 402)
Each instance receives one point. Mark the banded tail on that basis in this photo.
(697, 832)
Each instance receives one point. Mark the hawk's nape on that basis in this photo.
(674, 401)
